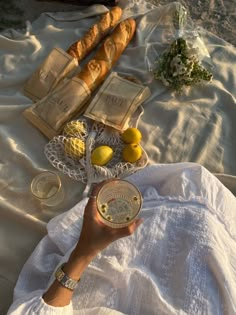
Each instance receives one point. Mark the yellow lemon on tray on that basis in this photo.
(74, 127)
(101, 155)
(74, 148)
(131, 135)
(132, 152)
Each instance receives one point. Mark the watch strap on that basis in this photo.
(65, 280)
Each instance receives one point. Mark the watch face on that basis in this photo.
(118, 203)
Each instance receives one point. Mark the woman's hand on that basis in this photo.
(95, 236)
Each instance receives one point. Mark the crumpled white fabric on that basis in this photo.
(181, 260)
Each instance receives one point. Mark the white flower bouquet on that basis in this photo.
(180, 66)
(176, 55)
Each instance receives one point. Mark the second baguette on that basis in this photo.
(95, 71)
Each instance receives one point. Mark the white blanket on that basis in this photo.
(196, 127)
(181, 260)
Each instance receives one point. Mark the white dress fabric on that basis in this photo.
(181, 260)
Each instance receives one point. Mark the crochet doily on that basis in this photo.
(96, 134)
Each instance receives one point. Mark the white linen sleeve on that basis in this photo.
(33, 303)
(34, 279)
(38, 272)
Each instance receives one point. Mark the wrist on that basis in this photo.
(83, 248)
(76, 264)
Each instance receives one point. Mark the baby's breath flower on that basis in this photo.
(179, 66)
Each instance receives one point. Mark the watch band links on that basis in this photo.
(65, 280)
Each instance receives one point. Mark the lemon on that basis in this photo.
(132, 152)
(101, 155)
(131, 135)
(74, 148)
(74, 128)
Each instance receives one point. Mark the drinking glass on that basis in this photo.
(47, 188)
(119, 203)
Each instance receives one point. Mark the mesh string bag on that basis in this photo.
(93, 134)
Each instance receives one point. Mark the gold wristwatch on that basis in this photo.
(65, 280)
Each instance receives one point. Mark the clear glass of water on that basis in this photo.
(47, 188)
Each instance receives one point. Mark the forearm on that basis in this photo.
(59, 296)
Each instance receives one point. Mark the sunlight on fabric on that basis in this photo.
(16, 212)
(13, 144)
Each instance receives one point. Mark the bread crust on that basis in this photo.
(81, 48)
(95, 71)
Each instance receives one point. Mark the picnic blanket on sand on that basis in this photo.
(197, 126)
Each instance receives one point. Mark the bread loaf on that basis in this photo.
(96, 33)
(95, 71)
(70, 97)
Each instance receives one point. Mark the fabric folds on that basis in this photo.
(181, 260)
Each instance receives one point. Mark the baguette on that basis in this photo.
(70, 97)
(95, 71)
(96, 33)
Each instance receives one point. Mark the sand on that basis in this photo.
(217, 16)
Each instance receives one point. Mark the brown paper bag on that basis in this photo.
(51, 113)
(116, 101)
(56, 66)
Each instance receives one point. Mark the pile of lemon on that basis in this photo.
(74, 146)
(132, 151)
